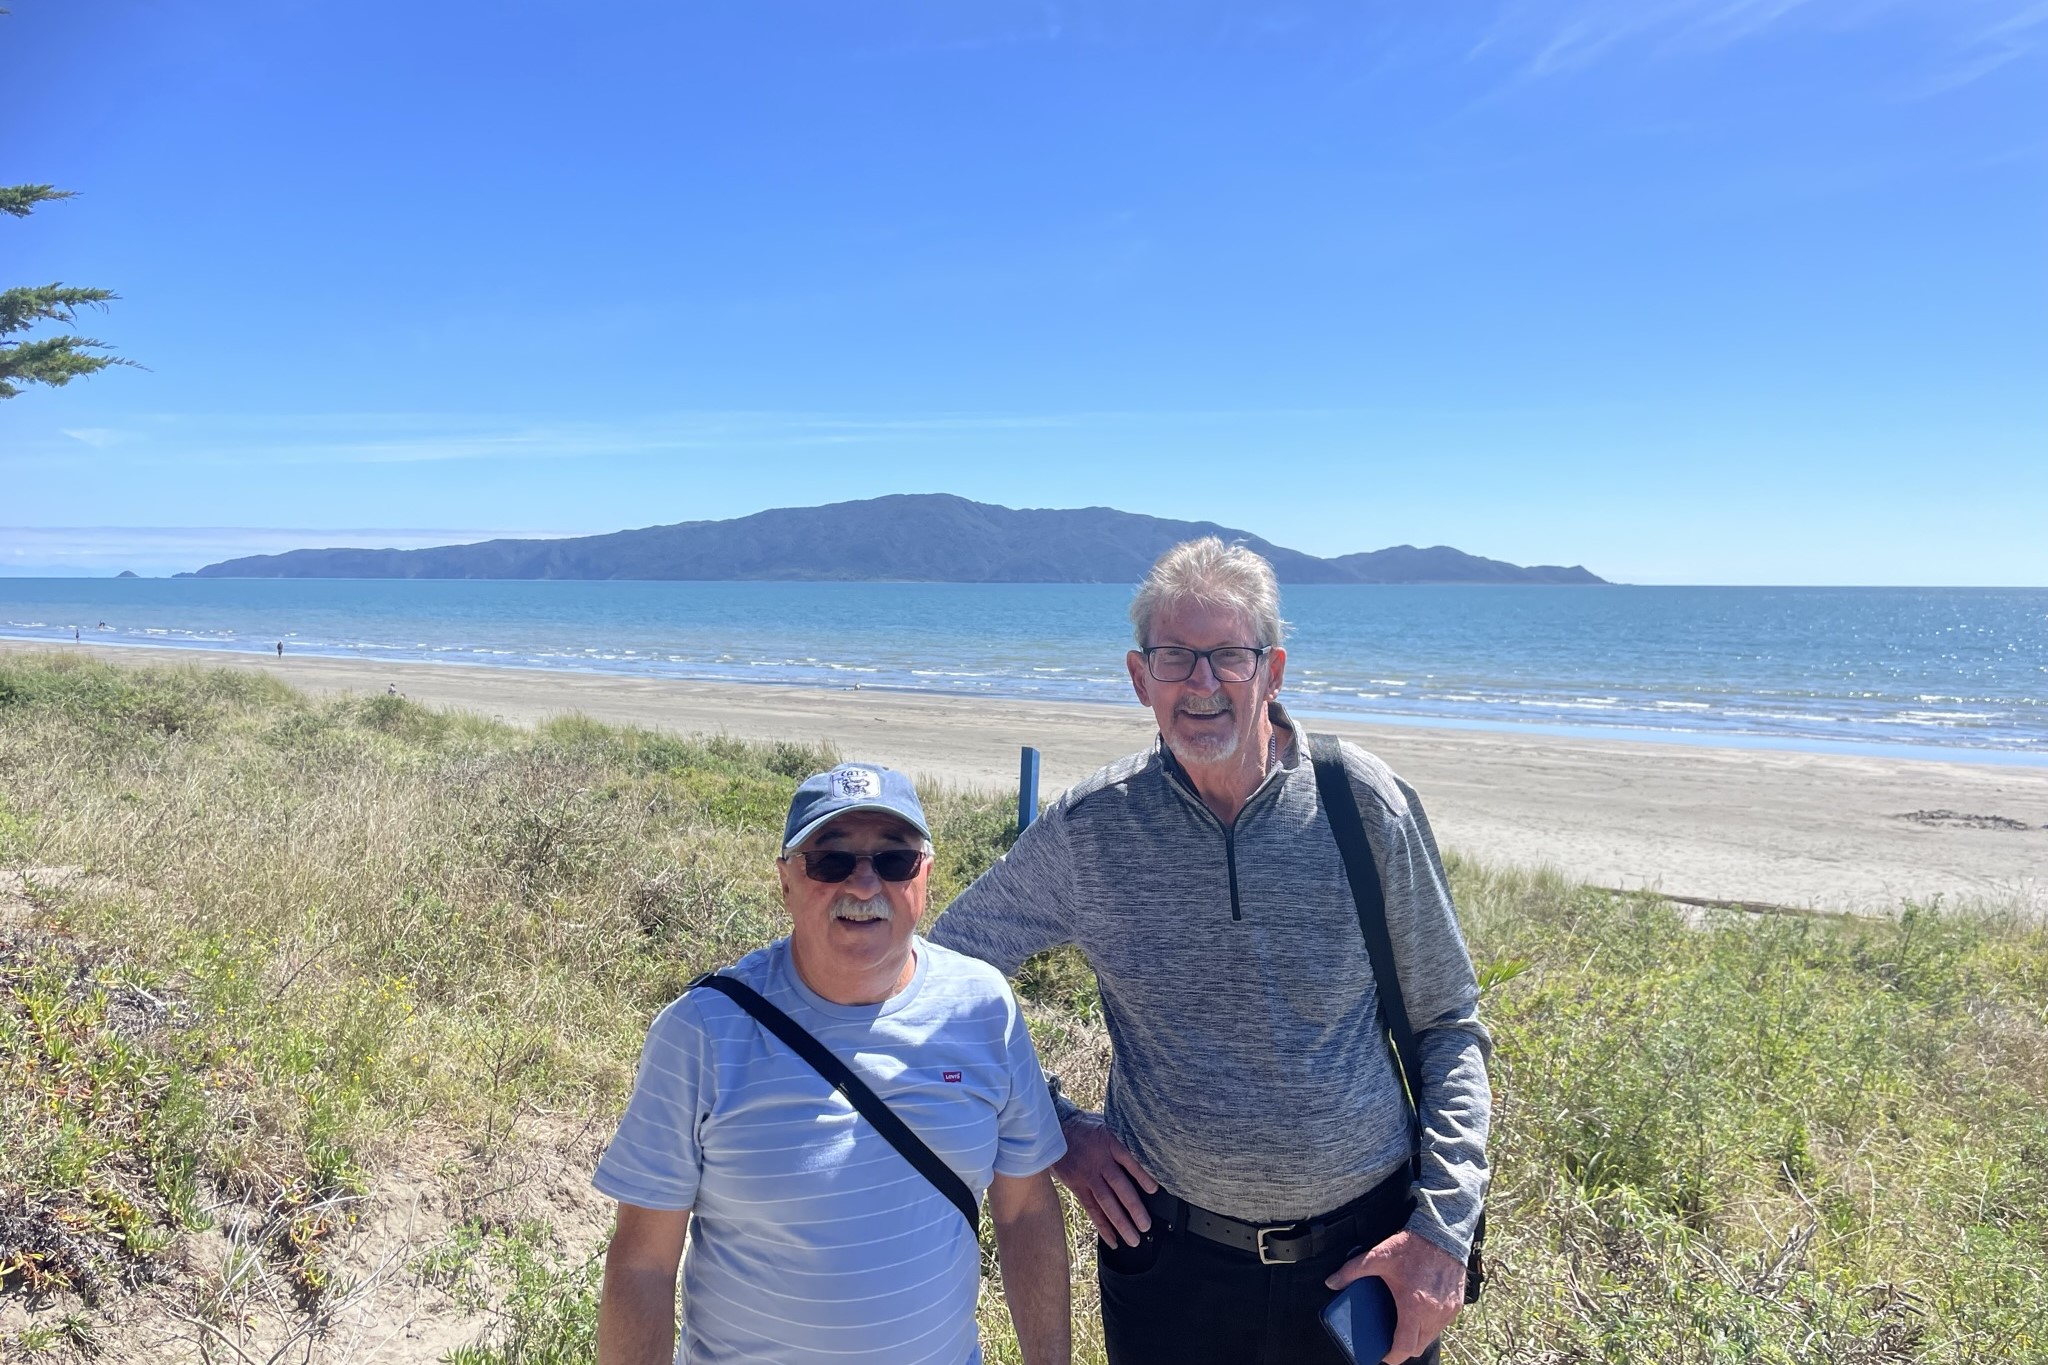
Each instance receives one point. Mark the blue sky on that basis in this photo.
(1683, 290)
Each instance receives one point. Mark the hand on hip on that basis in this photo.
(1106, 1178)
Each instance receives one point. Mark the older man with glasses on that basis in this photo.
(821, 1119)
(1232, 887)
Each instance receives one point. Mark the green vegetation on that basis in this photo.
(261, 954)
(1783, 1140)
(547, 1308)
(55, 360)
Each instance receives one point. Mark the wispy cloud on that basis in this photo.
(1549, 38)
(1554, 38)
(2011, 38)
(402, 438)
(2014, 26)
(729, 433)
(99, 438)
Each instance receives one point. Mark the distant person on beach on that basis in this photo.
(821, 1226)
(280, 649)
(1257, 1150)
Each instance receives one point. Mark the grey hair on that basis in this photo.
(1217, 575)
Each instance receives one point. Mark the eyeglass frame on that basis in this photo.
(1258, 653)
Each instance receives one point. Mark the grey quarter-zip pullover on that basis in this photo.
(1250, 1074)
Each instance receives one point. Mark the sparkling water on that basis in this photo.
(1950, 668)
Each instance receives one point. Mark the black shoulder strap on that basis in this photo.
(871, 1106)
(1340, 807)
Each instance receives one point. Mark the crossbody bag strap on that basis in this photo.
(1340, 808)
(871, 1106)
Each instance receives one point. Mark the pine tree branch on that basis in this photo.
(21, 309)
(55, 361)
(21, 200)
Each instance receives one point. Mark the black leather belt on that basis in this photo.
(1283, 1243)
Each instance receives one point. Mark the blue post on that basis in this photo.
(1027, 788)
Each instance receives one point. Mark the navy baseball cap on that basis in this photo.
(850, 787)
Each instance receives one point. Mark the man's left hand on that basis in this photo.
(1428, 1285)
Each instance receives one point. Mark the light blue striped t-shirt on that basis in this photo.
(811, 1238)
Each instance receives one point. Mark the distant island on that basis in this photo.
(907, 537)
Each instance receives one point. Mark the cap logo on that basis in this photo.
(855, 783)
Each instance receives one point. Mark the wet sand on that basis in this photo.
(1828, 831)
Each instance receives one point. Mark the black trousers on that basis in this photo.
(1179, 1299)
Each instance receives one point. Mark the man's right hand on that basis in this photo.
(1101, 1172)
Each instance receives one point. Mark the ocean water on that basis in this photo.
(1959, 670)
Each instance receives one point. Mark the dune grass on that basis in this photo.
(276, 942)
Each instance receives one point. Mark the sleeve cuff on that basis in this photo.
(1438, 1236)
(642, 1198)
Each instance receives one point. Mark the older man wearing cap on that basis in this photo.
(814, 1234)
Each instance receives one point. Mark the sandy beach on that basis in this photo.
(1826, 831)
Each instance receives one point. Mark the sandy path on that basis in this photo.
(1791, 828)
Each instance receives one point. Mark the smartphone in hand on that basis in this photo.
(1361, 1320)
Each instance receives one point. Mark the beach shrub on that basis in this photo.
(102, 1119)
(394, 715)
(549, 823)
(969, 832)
(16, 832)
(546, 1303)
(116, 707)
(1728, 1137)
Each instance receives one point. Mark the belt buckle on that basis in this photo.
(1266, 1256)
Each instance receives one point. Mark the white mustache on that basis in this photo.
(851, 907)
(1205, 706)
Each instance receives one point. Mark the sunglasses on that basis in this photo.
(891, 865)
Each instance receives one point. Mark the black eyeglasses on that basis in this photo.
(1230, 663)
(836, 865)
